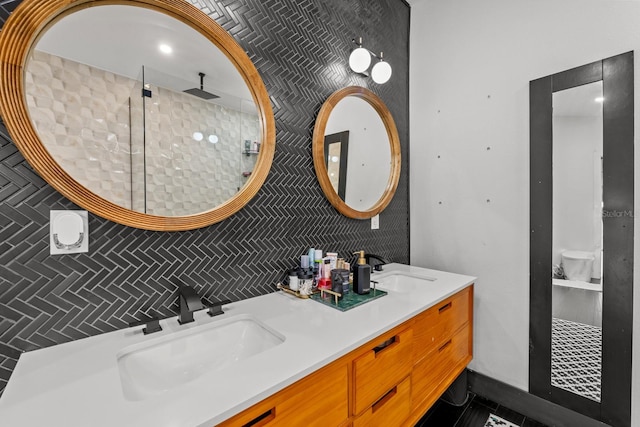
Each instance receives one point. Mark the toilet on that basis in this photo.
(577, 265)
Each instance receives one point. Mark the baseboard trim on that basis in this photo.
(527, 404)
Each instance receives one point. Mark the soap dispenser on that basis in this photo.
(361, 275)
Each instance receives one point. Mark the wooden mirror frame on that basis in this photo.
(318, 151)
(18, 36)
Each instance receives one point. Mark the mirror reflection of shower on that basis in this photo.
(577, 240)
(168, 131)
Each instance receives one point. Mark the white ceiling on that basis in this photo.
(122, 39)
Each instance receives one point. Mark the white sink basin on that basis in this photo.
(399, 282)
(153, 367)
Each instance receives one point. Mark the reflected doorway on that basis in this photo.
(336, 149)
(576, 337)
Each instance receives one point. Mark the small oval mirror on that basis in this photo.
(356, 152)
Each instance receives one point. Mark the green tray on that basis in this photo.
(348, 301)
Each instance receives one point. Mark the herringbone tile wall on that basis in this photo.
(301, 49)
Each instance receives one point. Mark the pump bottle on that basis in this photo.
(361, 275)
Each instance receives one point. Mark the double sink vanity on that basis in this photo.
(269, 360)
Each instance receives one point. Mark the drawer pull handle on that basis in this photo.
(384, 345)
(445, 345)
(262, 419)
(444, 307)
(384, 399)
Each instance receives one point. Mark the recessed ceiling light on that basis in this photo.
(599, 99)
(165, 48)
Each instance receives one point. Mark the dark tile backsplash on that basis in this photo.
(301, 49)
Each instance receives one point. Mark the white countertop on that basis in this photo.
(78, 383)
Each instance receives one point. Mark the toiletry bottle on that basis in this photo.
(317, 264)
(312, 258)
(340, 281)
(304, 262)
(333, 256)
(361, 275)
(325, 275)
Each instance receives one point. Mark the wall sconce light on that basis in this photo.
(360, 60)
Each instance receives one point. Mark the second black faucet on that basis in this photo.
(189, 303)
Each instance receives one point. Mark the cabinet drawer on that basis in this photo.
(320, 399)
(381, 368)
(392, 409)
(428, 375)
(440, 321)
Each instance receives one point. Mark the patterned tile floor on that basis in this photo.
(576, 355)
(496, 421)
(475, 413)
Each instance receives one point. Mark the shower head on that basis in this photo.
(200, 92)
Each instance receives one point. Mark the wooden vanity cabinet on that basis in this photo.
(437, 324)
(381, 368)
(391, 409)
(442, 349)
(320, 399)
(390, 381)
(442, 366)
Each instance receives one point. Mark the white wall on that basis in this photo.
(471, 63)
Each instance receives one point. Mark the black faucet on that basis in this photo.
(152, 324)
(215, 309)
(377, 266)
(189, 302)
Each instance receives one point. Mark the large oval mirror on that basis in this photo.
(146, 113)
(356, 152)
